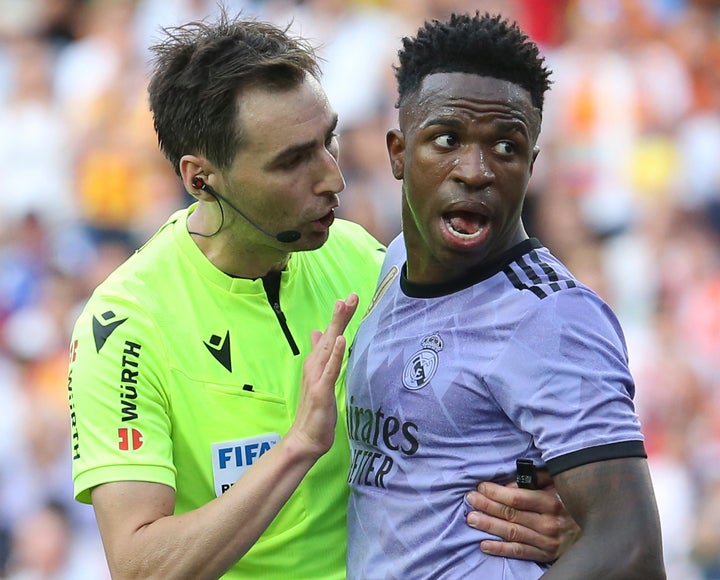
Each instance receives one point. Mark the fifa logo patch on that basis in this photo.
(230, 459)
(422, 365)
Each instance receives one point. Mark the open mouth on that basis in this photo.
(464, 224)
(327, 220)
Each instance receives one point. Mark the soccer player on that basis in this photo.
(480, 348)
(203, 401)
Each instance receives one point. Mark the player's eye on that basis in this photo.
(505, 147)
(331, 139)
(446, 140)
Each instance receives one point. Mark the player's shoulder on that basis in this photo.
(543, 283)
(533, 270)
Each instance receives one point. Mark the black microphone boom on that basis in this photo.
(286, 237)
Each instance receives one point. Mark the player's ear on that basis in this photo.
(395, 141)
(535, 153)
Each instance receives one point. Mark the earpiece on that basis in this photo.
(198, 182)
(286, 237)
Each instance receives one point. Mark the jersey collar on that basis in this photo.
(471, 277)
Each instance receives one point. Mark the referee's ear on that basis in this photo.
(194, 168)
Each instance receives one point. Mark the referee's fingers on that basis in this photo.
(543, 501)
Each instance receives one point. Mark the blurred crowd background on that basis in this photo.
(626, 191)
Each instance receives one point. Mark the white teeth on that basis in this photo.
(461, 235)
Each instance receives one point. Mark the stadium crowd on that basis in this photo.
(626, 191)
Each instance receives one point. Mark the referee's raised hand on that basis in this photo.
(314, 426)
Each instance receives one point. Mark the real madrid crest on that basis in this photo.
(420, 368)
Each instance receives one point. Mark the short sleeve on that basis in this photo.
(118, 404)
(564, 377)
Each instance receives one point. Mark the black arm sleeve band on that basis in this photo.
(593, 454)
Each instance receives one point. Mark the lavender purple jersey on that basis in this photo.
(449, 384)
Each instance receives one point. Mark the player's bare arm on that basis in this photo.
(613, 502)
(143, 539)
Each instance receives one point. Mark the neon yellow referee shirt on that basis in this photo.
(183, 375)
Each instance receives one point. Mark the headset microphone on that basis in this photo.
(286, 237)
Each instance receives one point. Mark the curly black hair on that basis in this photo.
(486, 45)
(199, 71)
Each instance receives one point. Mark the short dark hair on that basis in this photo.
(201, 68)
(483, 45)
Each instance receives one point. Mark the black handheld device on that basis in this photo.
(526, 474)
